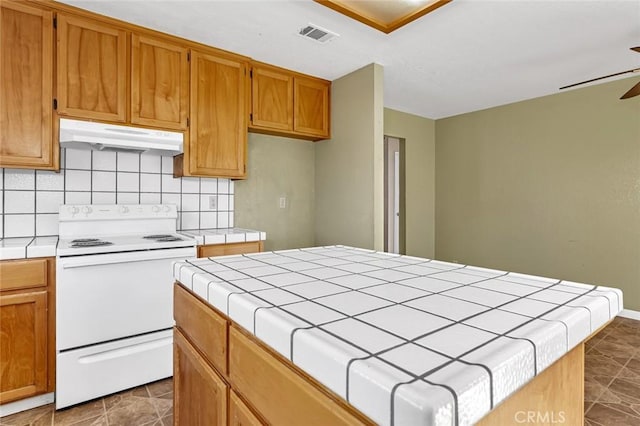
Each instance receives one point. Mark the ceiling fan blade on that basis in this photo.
(636, 49)
(634, 91)
(598, 78)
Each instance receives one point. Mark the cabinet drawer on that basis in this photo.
(206, 329)
(19, 274)
(262, 379)
(212, 250)
(240, 414)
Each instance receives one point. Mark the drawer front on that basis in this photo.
(240, 414)
(206, 329)
(19, 274)
(212, 250)
(262, 379)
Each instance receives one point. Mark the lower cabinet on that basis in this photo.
(211, 250)
(239, 413)
(23, 344)
(255, 387)
(27, 346)
(200, 394)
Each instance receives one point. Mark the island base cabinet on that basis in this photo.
(555, 396)
(279, 393)
(200, 395)
(240, 414)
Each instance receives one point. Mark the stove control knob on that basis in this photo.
(167, 209)
(155, 209)
(86, 210)
(124, 209)
(74, 210)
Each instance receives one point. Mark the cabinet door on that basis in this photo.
(23, 344)
(159, 83)
(200, 395)
(92, 69)
(311, 106)
(271, 99)
(218, 134)
(26, 87)
(240, 414)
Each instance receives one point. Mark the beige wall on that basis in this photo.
(278, 167)
(420, 178)
(349, 167)
(549, 186)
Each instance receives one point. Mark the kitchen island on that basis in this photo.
(339, 335)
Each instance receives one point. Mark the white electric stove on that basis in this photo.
(114, 297)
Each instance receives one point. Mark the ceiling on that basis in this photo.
(465, 56)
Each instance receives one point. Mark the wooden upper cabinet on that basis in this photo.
(271, 98)
(286, 103)
(311, 106)
(217, 143)
(26, 87)
(159, 83)
(92, 69)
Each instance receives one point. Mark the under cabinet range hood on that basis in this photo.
(111, 137)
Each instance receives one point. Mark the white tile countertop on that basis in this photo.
(22, 248)
(405, 340)
(225, 235)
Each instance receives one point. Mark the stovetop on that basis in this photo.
(116, 228)
(122, 243)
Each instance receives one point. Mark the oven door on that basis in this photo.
(103, 297)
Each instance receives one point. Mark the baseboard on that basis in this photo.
(628, 313)
(26, 404)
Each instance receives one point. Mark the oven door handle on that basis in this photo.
(111, 258)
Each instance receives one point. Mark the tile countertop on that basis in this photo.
(225, 235)
(422, 341)
(21, 248)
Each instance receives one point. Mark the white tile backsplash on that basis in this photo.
(49, 201)
(128, 197)
(77, 180)
(47, 224)
(19, 225)
(150, 164)
(104, 160)
(31, 198)
(103, 181)
(78, 159)
(19, 201)
(128, 182)
(49, 181)
(128, 162)
(103, 198)
(19, 179)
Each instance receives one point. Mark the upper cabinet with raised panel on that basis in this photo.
(26, 87)
(217, 145)
(92, 69)
(311, 106)
(289, 104)
(159, 83)
(271, 98)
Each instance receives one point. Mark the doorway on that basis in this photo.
(394, 195)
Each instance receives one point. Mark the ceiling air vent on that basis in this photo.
(317, 33)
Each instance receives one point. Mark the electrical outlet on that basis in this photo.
(213, 202)
(283, 202)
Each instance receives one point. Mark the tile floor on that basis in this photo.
(145, 405)
(612, 375)
(612, 391)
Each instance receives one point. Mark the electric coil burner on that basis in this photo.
(114, 297)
